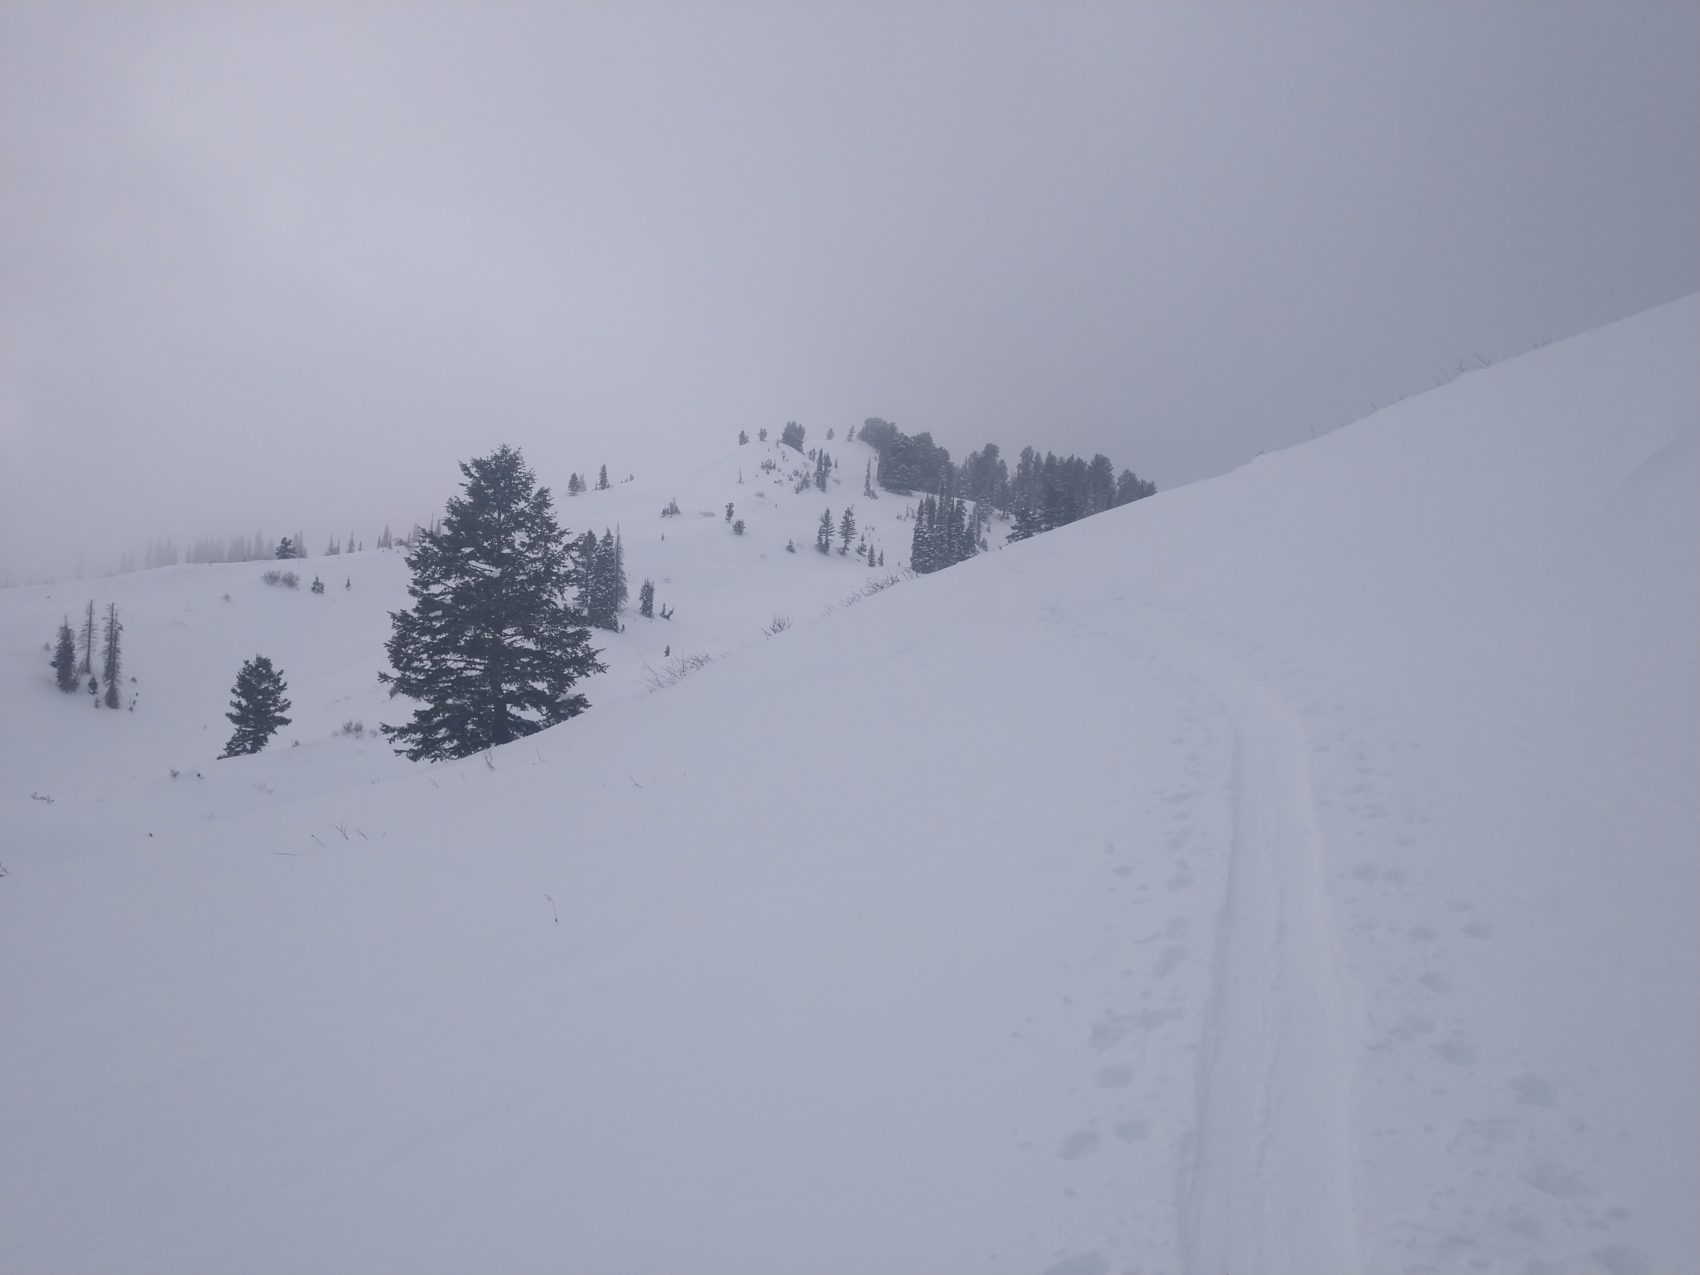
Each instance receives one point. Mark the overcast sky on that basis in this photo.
(282, 266)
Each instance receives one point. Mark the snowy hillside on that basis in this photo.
(1295, 872)
(188, 628)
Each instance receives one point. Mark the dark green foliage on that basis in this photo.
(601, 577)
(944, 535)
(912, 464)
(110, 664)
(492, 646)
(743, 437)
(823, 533)
(602, 479)
(646, 599)
(575, 484)
(257, 707)
(792, 435)
(823, 469)
(1131, 487)
(86, 664)
(878, 434)
(65, 658)
(285, 548)
(846, 531)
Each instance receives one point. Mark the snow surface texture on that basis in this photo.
(1295, 872)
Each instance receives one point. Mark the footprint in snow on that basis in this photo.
(1117, 1077)
(1078, 1145)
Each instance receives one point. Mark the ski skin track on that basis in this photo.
(1266, 1185)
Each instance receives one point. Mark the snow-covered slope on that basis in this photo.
(1294, 872)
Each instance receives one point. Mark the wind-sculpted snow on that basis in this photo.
(1291, 873)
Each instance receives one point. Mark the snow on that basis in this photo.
(1294, 872)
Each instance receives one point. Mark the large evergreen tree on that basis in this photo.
(257, 707)
(65, 658)
(492, 644)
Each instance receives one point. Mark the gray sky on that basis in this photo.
(283, 265)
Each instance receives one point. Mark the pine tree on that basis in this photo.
(1027, 524)
(921, 545)
(743, 437)
(285, 548)
(646, 599)
(621, 591)
(491, 645)
(86, 666)
(110, 663)
(792, 435)
(823, 533)
(846, 531)
(868, 481)
(65, 658)
(318, 585)
(602, 479)
(257, 707)
(575, 484)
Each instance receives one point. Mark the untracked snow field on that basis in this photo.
(1298, 872)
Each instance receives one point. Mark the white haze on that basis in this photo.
(282, 266)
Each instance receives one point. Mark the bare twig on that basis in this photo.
(553, 908)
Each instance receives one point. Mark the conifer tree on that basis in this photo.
(65, 658)
(846, 531)
(257, 707)
(823, 533)
(87, 663)
(743, 437)
(492, 645)
(318, 585)
(621, 591)
(868, 481)
(602, 479)
(646, 599)
(110, 663)
(921, 544)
